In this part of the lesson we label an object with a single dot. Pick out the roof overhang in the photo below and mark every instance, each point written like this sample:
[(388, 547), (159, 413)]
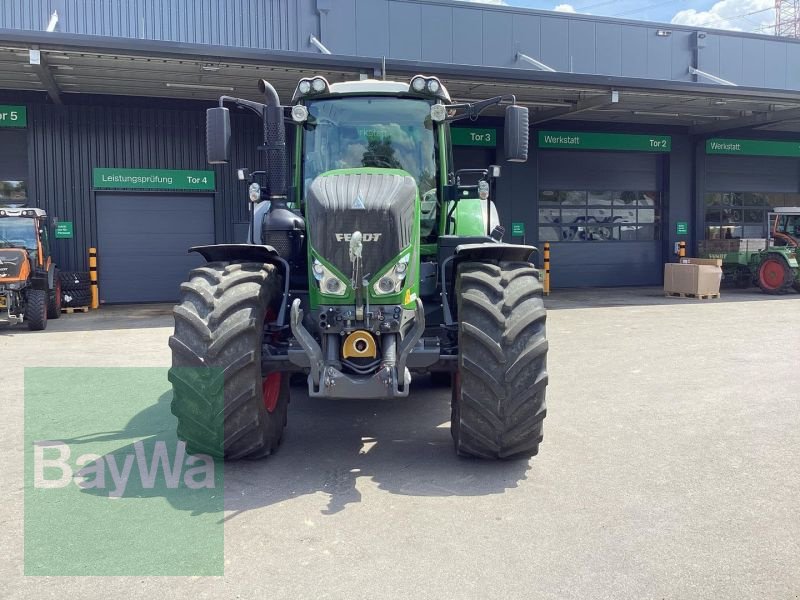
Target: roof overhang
[(79, 64)]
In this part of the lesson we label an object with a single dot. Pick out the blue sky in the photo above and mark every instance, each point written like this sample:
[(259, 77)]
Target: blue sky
[(742, 15)]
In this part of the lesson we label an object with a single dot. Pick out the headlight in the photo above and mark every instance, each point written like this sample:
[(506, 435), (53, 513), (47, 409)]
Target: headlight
[(318, 84), (319, 270), (386, 285), (311, 86), (430, 86), (333, 285), (392, 281), (438, 113), (328, 282), (255, 193), (299, 113)]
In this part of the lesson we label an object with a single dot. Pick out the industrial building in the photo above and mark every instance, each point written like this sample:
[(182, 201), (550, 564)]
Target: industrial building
[(642, 135)]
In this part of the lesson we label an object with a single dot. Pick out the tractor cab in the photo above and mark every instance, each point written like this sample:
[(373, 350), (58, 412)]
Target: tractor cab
[(785, 227)]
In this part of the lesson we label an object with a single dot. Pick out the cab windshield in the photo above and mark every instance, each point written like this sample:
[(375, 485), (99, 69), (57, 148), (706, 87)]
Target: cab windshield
[(357, 132), (19, 232)]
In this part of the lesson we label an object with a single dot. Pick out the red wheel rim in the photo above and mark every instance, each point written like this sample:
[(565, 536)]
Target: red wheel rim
[(772, 274), (271, 384), (271, 390)]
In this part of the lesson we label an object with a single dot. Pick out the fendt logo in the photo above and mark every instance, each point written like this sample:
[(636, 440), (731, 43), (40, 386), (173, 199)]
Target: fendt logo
[(365, 237)]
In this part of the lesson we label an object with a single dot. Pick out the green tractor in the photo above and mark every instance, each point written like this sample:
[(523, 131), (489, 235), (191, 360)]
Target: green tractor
[(776, 268), (379, 262)]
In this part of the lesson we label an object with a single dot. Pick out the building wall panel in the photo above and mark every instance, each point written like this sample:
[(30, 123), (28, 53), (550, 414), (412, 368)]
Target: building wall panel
[(582, 44), (555, 43), (66, 143), (609, 48), (437, 33), (634, 53), (432, 30), (371, 28), (730, 59), (659, 55), (467, 29)]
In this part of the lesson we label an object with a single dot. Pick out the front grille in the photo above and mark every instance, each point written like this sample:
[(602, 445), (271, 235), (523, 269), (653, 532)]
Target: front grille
[(380, 206)]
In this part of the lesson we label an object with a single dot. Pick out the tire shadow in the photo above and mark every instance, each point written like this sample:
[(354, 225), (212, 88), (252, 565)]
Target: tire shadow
[(402, 445)]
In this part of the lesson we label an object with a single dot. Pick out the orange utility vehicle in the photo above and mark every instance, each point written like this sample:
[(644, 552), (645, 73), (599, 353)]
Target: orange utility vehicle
[(30, 290)]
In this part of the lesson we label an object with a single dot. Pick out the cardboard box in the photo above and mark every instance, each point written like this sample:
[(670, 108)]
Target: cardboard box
[(697, 276)]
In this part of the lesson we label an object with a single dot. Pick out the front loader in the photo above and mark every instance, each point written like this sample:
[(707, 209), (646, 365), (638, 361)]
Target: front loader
[(377, 264)]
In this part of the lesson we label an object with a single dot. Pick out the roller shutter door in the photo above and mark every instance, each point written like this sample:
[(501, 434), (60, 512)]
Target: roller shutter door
[(742, 190), (143, 241), (602, 213)]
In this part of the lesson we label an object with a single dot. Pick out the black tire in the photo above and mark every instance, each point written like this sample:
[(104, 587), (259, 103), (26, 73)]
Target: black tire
[(74, 280), (774, 275), (36, 309), (499, 390), (220, 400), (54, 299), (796, 285), (75, 298)]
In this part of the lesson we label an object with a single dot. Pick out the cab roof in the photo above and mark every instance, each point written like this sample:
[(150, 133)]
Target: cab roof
[(16, 211), (378, 86)]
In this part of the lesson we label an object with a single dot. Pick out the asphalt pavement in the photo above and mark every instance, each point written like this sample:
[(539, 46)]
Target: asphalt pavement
[(670, 468)]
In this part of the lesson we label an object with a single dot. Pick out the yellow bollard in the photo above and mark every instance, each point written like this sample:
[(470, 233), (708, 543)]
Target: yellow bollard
[(681, 250), (93, 277), (547, 268)]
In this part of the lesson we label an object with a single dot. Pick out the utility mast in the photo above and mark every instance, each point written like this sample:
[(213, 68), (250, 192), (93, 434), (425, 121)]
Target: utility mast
[(787, 18)]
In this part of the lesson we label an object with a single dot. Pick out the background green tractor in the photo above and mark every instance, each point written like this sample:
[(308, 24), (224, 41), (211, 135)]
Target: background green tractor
[(378, 261), (771, 263), (776, 267)]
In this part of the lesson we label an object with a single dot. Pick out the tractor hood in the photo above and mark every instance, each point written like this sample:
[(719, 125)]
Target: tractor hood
[(14, 265), (378, 203)]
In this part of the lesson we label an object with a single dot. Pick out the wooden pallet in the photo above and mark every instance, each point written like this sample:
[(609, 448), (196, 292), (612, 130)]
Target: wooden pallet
[(692, 296), (73, 309)]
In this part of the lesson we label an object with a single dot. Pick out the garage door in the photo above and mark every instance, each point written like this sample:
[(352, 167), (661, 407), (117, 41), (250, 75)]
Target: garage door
[(742, 190), (143, 241), (601, 211)]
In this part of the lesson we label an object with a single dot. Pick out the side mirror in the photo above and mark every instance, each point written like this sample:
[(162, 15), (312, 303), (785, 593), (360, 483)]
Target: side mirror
[(218, 135), (516, 133)]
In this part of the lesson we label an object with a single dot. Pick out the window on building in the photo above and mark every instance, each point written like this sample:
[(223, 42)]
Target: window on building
[(13, 191), (13, 165), (742, 215), (597, 216)]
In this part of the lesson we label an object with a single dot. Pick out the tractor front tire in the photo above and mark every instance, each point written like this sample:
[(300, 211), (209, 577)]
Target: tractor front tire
[(225, 407), (774, 275), (36, 309), (498, 400)]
